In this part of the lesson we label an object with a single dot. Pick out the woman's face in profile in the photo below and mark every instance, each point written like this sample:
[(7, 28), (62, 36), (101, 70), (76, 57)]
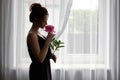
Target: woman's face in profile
[(44, 21)]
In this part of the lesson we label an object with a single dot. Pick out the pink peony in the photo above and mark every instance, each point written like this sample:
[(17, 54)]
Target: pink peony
[(49, 28)]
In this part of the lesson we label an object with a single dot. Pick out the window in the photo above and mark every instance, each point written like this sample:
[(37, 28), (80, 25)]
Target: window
[(82, 27), (87, 34)]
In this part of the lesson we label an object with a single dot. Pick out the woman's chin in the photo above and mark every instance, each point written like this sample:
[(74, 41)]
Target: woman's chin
[(42, 27)]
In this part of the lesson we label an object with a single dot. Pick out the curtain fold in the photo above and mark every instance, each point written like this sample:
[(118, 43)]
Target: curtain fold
[(115, 39), (65, 8), (7, 39)]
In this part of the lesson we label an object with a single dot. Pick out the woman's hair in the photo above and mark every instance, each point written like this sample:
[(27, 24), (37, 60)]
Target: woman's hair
[(37, 12)]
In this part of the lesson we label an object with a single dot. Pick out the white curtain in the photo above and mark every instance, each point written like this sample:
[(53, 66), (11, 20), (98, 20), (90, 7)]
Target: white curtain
[(91, 42), (115, 39), (12, 39), (91, 50), (7, 39)]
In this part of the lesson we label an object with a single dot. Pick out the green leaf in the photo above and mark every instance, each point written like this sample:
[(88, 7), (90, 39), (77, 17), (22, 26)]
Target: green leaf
[(61, 46), (56, 44), (52, 47)]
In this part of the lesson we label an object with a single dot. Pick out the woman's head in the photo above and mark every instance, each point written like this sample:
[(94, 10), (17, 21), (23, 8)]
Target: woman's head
[(37, 12)]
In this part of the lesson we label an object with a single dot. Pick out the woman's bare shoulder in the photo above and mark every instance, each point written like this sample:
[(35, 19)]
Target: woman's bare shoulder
[(31, 35)]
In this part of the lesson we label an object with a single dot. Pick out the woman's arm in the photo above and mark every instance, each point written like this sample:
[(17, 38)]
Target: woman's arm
[(40, 54)]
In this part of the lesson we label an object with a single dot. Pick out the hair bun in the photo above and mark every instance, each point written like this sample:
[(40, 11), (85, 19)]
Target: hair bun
[(37, 12), (35, 7)]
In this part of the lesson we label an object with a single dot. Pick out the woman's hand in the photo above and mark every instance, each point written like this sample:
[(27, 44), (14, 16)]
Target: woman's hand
[(54, 58), (49, 37)]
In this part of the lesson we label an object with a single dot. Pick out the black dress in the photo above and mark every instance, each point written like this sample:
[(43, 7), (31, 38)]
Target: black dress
[(37, 70)]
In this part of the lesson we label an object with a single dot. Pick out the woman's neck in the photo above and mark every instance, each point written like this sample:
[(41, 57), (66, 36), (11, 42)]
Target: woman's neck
[(34, 28)]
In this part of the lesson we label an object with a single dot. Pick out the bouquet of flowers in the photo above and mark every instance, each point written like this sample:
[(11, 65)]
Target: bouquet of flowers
[(55, 44)]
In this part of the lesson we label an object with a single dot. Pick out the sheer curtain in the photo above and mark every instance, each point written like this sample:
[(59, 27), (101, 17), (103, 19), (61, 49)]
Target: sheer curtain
[(115, 39), (91, 36), (92, 42), (11, 39)]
